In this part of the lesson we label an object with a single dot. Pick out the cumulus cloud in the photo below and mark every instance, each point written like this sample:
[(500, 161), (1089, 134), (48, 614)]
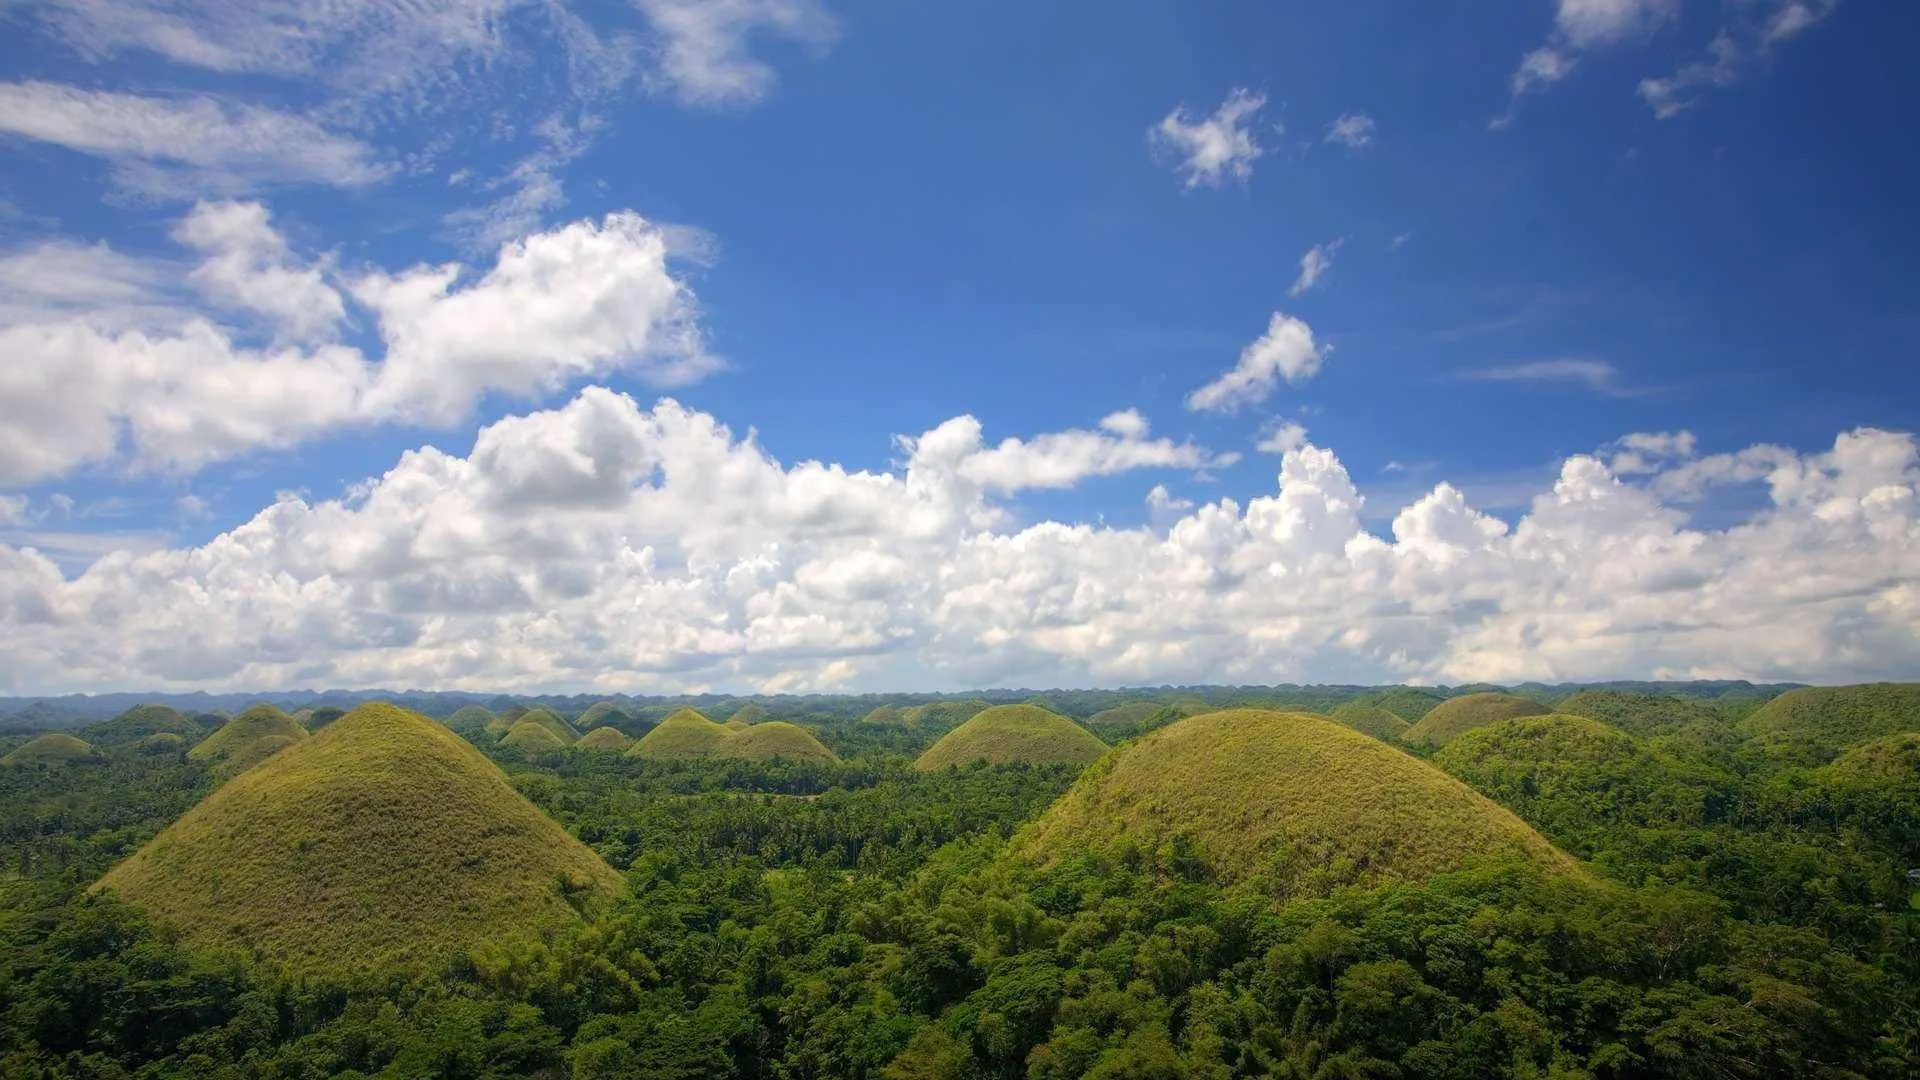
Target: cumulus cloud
[(165, 146), (114, 368), (1211, 150), (605, 545), (1286, 351), (1282, 438), (1352, 130), (702, 47), (1315, 263)]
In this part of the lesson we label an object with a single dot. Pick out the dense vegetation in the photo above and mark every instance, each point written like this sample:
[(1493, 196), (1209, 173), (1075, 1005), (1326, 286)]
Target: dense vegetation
[(1237, 895)]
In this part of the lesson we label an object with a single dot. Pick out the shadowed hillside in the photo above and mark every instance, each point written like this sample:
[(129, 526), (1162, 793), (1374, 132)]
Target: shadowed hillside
[(141, 721), (383, 843)]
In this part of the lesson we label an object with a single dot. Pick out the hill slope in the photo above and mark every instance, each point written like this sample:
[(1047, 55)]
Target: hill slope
[(469, 719), (1006, 734), (1382, 724), (773, 739), (684, 733), (56, 748), (533, 739), (1294, 802), (550, 720), (1891, 761), (1647, 715), (233, 748), (1820, 721), (141, 721), (599, 714), (604, 738), (1455, 715), (382, 844)]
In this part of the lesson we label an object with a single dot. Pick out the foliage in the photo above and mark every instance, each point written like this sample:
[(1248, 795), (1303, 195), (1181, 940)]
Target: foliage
[(1006, 734), (1815, 723), (382, 843), (139, 722), (1455, 715)]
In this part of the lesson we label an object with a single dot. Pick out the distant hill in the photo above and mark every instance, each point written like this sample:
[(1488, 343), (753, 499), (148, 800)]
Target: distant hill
[(1648, 715), (752, 713), (1006, 734), (53, 748), (533, 740), (550, 720), (469, 719), (604, 738), (684, 733), (1133, 718), (1456, 715), (1818, 722), (1889, 761), (931, 716), (1381, 723), (773, 739), (382, 844), (598, 714), (1293, 803), (141, 721), (247, 739)]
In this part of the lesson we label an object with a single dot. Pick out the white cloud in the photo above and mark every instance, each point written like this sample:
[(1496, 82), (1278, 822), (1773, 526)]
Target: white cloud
[(1650, 451), (602, 545), (533, 188), (1061, 459), (1219, 147), (1595, 375), (169, 145), (1585, 24), (112, 370), (1748, 37), (1283, 438), (1353, 130), (1286, 351), (1317, 261), (702, 44)]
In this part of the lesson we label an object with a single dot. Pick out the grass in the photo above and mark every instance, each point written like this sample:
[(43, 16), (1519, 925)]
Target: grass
[(684, 733), (533, 739), (1288, 802), (1006, 734), (604, 738), (141, 721), (600, 714), (250, 753), (773, 739), (469, 719), (550, 720), (56, 748), (1818, 722), (383, 844), (233, 742), (1383, 724), (1456, 715), (1891, 761)]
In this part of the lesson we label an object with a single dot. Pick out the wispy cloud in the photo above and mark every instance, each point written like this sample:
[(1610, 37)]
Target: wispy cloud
[(1752, 33), (1352, 130), (1314, 264), (1217, 148), (701, 47), (1595, 375), (1580, 26)]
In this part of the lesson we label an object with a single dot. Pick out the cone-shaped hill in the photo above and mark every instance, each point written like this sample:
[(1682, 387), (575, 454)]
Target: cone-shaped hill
[(550, 720), (54, 748), (1893, 761), (1133, 717), (604, 738), (248, 739), (750, 713), (1373, 720), (1455, 715), (533, 740), (932, 715), (684, 733), (141, 721), (382, 844), (1298, 801), (1820, 721), (1009, 734), (774, 739), (600, 714), (469, 719)]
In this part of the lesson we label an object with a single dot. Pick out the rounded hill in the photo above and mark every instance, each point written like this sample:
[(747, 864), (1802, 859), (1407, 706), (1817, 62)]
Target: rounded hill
[(604, 738), (1821, 721), (774, 739), (383, 844), (750, 713), (1132, 718), (1891, 761), (1010, 734), (1645, 715), (470, 718), (684, 733), (533, 739), (54, 748), (600, 714), (1382, 724), (550, 720), (232, 748), (141, 721), (1455, 715), (1292, 802)]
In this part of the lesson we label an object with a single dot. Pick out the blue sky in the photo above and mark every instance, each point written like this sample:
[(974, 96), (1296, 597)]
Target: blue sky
[(1671, 239)]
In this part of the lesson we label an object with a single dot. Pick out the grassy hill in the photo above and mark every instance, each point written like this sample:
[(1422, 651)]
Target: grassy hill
[(1889, 761), (141, 721), (684, 733), (1294, 802), (1382, 724), (470, 719), (604, 738), (55, 748), (1006, 734), (600, 714), (161, 742), (322, 716), (1131, 718), (773, 739), (1455, 715), (232, 749), (750, 714), (1647, 715), (550, 720), (1405, 702), (1817, 722), (931, 716), (533, 740), (382, 844)]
